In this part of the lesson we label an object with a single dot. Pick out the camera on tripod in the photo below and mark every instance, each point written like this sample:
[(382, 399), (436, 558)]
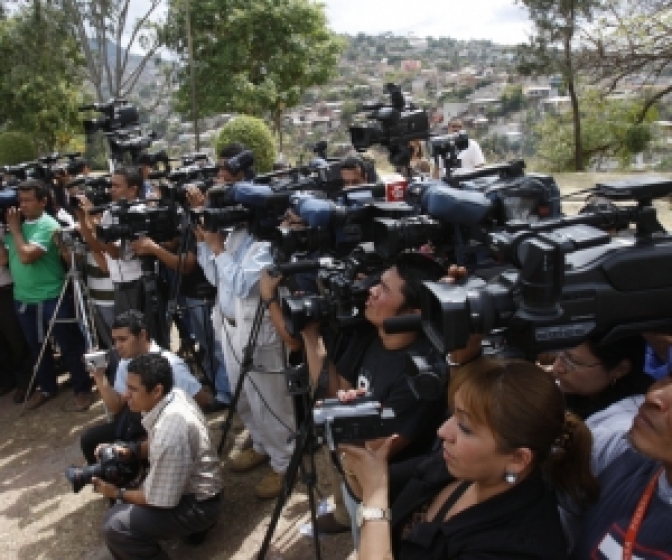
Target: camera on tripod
[(391, 125), (116, 115), (132, 220), (112, 467), (344, 289)]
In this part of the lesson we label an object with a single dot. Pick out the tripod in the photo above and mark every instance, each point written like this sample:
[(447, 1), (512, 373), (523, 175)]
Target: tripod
[(298, 385), (85, 313)]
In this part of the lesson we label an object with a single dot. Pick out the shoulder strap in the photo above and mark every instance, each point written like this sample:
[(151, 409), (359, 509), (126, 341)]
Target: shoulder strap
[(452, 499)]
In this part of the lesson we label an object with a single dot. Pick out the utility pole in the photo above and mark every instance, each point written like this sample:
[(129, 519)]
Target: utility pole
[(192, 72)]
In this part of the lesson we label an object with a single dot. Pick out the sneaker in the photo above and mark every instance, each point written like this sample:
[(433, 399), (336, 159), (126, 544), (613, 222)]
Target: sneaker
[(246, 460), (270, 486), (328, 525), (38, 399), (83, 402)]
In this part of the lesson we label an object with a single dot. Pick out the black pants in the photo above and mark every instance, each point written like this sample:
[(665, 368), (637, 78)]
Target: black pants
[(15, 363), (134, 295), (133, 532), (125, 427)]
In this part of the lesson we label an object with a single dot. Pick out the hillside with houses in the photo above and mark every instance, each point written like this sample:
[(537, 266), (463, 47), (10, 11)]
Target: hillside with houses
[(475, 80)]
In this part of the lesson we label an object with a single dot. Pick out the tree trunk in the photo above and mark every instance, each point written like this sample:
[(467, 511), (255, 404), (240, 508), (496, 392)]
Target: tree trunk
[(576, 117)]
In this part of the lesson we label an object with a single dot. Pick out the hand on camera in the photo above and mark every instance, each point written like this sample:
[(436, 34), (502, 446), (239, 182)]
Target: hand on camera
[(195, 197), (350, 395), (13, 218), (368, 465), (104, 488), (268, 285), (455, 274), (144, 246), (214, 240)]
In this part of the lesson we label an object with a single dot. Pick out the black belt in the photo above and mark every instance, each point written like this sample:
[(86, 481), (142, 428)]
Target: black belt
[(126, 285)]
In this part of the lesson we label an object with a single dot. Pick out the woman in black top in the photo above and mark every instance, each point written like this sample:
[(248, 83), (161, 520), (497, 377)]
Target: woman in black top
[(509, 444)]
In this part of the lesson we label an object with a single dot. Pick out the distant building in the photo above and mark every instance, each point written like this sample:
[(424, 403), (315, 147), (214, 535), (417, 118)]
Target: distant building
[(411, 65)]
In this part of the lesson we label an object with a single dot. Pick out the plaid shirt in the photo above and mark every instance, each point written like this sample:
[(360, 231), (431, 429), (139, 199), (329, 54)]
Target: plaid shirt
[(182, 459)]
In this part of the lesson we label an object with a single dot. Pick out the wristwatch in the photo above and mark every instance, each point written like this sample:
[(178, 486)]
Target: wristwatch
[(120, 495), (372, 514)]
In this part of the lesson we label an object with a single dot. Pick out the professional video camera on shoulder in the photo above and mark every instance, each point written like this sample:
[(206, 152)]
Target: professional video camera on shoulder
[(132, 220), (569, 280), (446, 148), (391, 125), (334, 228), (257, 207)]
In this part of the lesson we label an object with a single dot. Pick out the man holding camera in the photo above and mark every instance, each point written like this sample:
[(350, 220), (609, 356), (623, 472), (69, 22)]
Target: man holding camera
[(376, 363), (35, 264), (131, 340), (123, 264), (235, 267), (181, 494)]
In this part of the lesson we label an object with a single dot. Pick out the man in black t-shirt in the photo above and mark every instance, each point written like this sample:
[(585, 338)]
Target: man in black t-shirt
[(376, 362)]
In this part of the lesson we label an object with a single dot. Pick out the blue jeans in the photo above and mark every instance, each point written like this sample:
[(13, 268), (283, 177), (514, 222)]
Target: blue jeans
[(201, 326), (34, 319)]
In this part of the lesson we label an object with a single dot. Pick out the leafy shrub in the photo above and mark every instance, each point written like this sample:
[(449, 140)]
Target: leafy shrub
[(254, 134), (16, 147)]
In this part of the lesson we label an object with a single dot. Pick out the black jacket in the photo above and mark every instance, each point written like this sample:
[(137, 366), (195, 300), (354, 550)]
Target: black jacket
[(521, 523)]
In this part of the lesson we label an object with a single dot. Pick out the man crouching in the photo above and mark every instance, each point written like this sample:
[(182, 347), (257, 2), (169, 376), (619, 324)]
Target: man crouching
[(180, 496)]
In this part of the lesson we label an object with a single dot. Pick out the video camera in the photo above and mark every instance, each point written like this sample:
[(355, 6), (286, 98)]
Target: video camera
[(117, 114), (332, 227), (96, 189), (258, 207), (569, 281), (111, 467), (356, 422), (391, 125), (131, 220), (201, 176)]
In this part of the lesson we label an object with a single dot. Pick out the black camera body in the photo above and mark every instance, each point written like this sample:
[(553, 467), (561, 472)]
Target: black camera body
[(133, 220), (566, 283), (111, 467), (116, 115), (392, 126), (96, 189), (362, 420)]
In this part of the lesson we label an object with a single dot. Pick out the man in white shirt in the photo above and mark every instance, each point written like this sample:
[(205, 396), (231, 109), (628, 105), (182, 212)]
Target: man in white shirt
[(130, 338)]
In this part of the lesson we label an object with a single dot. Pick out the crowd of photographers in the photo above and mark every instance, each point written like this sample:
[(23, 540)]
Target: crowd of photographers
[(493, 454)]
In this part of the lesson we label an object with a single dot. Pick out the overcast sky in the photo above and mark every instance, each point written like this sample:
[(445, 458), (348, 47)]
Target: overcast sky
[(501, 21)]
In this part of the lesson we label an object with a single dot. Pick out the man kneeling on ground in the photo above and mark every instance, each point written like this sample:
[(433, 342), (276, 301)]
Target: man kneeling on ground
[(180, 496)]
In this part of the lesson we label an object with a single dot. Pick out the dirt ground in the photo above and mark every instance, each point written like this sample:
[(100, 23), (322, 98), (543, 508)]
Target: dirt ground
[(40, 517)]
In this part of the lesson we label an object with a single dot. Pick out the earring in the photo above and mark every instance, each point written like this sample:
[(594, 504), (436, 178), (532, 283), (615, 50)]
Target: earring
[(510, 478)]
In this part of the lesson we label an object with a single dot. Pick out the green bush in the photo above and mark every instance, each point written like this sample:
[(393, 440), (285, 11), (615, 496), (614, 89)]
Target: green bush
[(254, 135), (16, 147)]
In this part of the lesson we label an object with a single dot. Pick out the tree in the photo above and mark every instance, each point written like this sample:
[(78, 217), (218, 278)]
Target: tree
[(107, 37), (554, 48), (41, 87), (610, 130), (632, 40), (255, 57), (252, 133)]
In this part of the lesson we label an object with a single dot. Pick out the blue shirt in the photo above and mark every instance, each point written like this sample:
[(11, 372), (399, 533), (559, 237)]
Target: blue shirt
[(237, 270)]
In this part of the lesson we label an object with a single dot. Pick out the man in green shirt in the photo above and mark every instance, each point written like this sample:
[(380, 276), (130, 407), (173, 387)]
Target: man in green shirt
[(34, 262)]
